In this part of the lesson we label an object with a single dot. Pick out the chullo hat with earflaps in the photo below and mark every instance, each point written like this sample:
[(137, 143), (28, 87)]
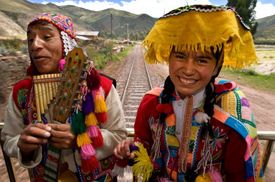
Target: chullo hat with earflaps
[(199, 27)]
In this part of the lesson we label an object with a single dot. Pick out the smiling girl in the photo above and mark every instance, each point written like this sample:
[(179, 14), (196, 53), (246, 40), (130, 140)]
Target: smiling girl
[(196, 128)]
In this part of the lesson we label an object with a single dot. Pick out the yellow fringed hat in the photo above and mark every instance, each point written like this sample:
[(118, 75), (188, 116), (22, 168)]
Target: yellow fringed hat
[(199, 27)]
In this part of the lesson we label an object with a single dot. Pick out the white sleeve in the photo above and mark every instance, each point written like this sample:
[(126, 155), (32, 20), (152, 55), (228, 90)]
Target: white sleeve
[(114, 130), (13, 126)]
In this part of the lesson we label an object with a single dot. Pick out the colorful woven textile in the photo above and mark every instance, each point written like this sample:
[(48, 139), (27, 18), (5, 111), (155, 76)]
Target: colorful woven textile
[(62, 22)]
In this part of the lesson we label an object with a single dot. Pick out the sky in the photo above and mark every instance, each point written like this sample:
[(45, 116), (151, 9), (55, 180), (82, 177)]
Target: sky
[(154, 8)]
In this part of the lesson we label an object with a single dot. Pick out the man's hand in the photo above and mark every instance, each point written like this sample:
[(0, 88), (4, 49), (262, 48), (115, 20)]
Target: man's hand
[(62, 136), (33, 136)]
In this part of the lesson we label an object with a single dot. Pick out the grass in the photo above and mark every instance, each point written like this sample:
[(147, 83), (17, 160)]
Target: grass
[(265, 53), (101, 52), (11, 46), (251, 78)]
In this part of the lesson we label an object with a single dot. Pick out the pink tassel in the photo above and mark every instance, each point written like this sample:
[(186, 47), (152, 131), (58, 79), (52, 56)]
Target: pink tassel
[(87, 151), (61, 65), (92, 131), (215, 176)]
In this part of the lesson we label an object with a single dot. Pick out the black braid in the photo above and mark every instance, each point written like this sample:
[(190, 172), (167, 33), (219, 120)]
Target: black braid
[(210, 90), (166, 95), (210, 98)]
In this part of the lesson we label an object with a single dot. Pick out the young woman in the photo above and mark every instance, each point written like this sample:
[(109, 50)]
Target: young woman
[(196, 128), (80, 149)]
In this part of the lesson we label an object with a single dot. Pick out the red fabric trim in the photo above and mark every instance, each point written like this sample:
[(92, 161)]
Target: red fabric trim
[(22, 84), (225, 87)]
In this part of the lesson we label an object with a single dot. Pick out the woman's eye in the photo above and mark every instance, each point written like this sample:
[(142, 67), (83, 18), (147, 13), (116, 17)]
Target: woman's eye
[(180, 55), (203, 60)]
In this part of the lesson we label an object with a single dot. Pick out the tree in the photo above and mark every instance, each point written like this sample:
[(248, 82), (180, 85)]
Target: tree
[(245, 9)]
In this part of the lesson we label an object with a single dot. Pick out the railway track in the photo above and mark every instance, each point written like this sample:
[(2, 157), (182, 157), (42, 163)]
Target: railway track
[(138, 82)]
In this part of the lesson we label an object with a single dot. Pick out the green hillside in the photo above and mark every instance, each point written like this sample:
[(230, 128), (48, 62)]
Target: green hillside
[(266, 30)]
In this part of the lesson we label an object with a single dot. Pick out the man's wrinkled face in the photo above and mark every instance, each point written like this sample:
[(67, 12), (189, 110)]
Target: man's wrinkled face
[(44, 46)]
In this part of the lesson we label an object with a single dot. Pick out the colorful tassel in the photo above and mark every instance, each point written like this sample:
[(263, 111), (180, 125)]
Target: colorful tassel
[(203, 178), (88, 165), (100, 105), (98, 141), (215, 176), (102, 117), (93, 79), (88, 104), (91, 120), (78, 125), (92, 131), (83, 139), (61, 64), (87, 151), (143, 166)]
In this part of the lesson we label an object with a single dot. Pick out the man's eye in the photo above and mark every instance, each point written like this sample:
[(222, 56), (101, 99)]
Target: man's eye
[(30, 40), (47, 37)]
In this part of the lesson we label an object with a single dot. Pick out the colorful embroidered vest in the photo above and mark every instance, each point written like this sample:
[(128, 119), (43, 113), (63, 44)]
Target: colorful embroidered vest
[(239, 125)]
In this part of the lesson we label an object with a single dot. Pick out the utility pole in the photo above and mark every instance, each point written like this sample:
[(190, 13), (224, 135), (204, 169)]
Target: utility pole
[(127, 31), (111, 26)]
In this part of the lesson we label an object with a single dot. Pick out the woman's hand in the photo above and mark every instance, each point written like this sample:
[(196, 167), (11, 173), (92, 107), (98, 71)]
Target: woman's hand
[(62, 136), (33, 136), (122, 150)]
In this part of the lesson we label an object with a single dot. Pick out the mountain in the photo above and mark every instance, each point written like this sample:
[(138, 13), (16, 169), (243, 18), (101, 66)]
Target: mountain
[(266, 30), (16, 14)]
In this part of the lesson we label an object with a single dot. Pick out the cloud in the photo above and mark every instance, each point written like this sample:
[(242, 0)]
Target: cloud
[(263, 10), (154, 8)]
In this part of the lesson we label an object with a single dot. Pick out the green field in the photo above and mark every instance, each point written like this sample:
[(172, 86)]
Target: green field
[(250, 77)]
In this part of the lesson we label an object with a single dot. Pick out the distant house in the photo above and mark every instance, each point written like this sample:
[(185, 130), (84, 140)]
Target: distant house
[(87, 35)]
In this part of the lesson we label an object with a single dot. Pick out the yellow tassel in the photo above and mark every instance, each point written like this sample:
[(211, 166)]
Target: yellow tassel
[(91, 120), (143, 166), (100, 105), (83, 139), (203, 178)]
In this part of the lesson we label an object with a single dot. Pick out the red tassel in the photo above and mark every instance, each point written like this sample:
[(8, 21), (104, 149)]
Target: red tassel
[(165, 108), (89, 165), (97, 141), (101, 117), (121, 162), (93, 79)]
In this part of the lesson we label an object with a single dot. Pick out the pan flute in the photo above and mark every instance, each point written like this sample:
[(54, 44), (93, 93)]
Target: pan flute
[(61, 90)]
